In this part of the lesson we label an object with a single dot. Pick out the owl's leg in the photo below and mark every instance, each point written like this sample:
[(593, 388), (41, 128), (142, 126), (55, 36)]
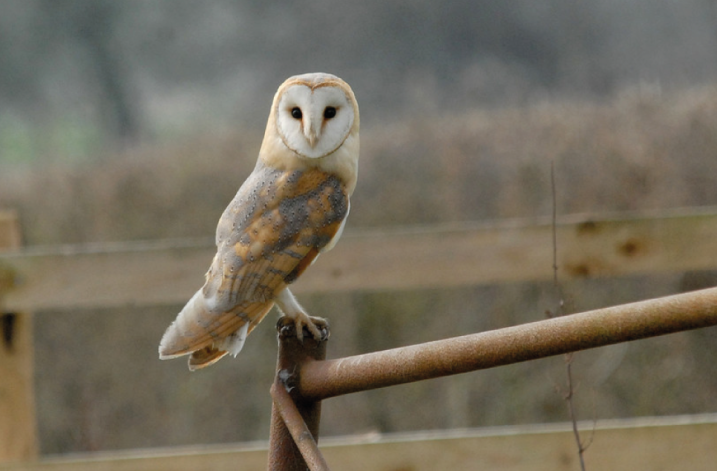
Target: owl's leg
[(289, 306)]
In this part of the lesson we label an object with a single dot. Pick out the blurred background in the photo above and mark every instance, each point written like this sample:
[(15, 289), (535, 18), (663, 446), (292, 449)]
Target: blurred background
[(140, 119)]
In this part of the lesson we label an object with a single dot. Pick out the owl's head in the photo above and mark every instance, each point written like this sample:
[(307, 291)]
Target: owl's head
[(314, 114)]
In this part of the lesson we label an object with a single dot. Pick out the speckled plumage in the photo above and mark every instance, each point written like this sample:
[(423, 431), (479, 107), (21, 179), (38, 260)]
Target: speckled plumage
[(289, 210)]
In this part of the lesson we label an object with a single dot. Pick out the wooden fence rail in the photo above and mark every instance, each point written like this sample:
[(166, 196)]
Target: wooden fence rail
[(169, 272), (662, 443)]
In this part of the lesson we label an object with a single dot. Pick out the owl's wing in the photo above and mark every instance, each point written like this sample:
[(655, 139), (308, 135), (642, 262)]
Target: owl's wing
[(271, 232)]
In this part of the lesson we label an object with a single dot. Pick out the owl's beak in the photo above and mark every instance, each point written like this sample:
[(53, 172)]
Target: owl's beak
[(311, 133), (312, 139)]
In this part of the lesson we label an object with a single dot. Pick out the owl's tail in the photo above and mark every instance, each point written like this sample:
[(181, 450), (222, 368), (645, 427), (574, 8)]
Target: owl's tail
[(181, 336), (208, 336), (205, 357)]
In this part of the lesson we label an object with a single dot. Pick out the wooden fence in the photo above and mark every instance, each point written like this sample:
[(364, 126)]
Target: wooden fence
[(164, 272), (671, 443), (17, 409), (145, 273)]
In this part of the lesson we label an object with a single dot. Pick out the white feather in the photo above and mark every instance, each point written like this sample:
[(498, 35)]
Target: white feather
[(235, 342)]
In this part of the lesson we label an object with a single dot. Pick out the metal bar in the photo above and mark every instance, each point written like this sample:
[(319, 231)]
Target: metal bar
[(303, 438), (284, 453), (323, 379)]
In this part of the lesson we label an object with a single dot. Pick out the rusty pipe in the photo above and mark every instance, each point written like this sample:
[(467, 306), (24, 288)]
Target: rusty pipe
[(284, 453), (298, 429), (323, 379)]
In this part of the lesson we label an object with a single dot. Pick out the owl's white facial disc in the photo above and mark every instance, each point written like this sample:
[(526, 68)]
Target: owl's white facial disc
[(314, 122)]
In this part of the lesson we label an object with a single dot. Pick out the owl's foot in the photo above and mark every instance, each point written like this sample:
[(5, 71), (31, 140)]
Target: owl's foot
[(318, 327)]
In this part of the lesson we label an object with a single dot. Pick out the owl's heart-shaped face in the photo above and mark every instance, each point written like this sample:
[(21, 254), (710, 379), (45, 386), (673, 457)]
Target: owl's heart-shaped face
[(314, 119)]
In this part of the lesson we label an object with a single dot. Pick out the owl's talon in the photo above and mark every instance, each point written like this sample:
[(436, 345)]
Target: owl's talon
[(294, 312), (317, 326), (289, 326)]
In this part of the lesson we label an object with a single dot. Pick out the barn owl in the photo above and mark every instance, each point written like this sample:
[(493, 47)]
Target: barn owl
[(290, 209)]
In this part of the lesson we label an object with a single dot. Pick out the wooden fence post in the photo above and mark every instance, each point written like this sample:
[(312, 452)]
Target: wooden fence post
[(18, 435)]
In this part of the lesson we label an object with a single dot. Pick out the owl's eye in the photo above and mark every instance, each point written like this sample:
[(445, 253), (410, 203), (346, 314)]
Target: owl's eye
[(296, 112), (329, 112)]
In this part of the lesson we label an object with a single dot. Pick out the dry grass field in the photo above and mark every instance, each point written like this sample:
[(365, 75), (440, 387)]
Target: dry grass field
[(100, 385)]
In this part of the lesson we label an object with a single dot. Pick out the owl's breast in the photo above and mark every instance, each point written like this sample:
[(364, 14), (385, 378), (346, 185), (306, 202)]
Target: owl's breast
[(276, 226)]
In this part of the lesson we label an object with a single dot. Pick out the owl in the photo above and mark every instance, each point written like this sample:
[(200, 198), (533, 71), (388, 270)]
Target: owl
[(290, 209)]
